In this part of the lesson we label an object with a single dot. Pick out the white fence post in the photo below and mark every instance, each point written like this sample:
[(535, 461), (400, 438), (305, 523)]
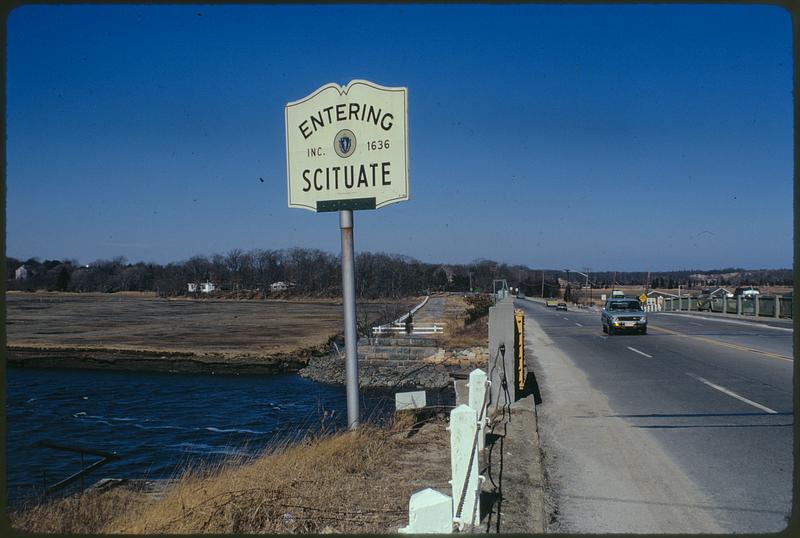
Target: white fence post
[(477, 401), (429, 511), (464, 466)]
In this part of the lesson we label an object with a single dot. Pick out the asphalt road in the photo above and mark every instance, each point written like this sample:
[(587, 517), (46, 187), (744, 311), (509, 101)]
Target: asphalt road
[(685, 429)]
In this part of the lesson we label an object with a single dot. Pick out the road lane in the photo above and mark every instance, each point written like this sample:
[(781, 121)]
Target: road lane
[(642, 353), (737, 455), (734, 395), (753, 335)]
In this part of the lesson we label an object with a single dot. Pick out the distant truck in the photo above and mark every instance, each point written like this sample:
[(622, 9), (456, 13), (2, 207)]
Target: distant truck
[(746, 291), (617, 294)]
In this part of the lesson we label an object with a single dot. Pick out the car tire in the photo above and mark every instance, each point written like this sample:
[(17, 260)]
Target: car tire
[(610, 330), (605, 329), (643, 331)]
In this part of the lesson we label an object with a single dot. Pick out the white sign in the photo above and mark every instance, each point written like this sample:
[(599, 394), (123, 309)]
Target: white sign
[(409, 400), (347, 147)]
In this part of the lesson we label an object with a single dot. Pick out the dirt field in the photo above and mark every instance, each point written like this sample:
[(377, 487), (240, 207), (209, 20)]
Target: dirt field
[(144, 324)]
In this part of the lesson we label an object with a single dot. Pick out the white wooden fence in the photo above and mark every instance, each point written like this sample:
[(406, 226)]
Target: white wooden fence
[(418, 329), (399, 325), (430, 511)]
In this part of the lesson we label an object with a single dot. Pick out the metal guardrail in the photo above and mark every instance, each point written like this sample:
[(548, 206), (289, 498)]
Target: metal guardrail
[(775, 307), (398, 325), (105, 458), (402, 318)]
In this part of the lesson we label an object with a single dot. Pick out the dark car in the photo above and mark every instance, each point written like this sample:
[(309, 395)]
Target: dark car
[(623, 315), (561, 306)]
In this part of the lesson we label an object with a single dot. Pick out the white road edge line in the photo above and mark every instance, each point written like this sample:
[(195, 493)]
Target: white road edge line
[(578, 324), (603, 337), (566, 319), (731, 393), (639, 352)]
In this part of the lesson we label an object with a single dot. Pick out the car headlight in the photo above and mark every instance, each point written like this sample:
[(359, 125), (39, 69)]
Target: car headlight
[(643, 319), (615, 321)]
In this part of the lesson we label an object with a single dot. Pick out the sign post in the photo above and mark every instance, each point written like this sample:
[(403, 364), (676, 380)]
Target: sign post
[(347, 149), (349, 296)]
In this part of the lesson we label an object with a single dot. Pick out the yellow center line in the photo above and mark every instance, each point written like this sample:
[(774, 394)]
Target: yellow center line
[(725, 344)]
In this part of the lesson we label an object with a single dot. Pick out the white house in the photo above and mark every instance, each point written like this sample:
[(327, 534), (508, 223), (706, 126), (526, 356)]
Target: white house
[(718, 292), (658, 293), (192, 287), (21, 273), (207, 287), (278, 286)]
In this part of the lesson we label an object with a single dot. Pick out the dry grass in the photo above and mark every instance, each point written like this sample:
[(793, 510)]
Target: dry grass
[(355, 482), (464, 329), (129, 322), (475, 334), (79, 514)]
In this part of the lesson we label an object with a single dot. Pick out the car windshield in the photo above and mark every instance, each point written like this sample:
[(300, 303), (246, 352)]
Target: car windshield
[(624, 305)]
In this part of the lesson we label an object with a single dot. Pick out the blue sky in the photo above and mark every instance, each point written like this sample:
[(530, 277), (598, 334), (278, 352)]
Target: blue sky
[(610, 137)]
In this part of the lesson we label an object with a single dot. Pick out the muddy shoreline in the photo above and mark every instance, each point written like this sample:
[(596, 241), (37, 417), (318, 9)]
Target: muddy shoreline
[(147, 361)]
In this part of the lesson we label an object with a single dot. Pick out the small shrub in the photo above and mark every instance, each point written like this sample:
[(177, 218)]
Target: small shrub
[(478, 307)]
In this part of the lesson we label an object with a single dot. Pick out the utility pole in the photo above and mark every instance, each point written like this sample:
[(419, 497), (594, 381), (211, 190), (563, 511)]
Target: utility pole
[(542, 283), (470, 281), (591, 300)]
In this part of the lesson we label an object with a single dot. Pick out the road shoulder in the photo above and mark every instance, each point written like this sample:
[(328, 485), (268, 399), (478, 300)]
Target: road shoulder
[(602, 475)]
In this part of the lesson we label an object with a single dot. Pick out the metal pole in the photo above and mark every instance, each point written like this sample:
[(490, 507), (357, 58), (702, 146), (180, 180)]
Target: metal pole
[(349, 296), (590, 290)]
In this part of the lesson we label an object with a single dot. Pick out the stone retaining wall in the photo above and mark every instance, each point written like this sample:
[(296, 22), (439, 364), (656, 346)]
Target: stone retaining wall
[(397, 362)]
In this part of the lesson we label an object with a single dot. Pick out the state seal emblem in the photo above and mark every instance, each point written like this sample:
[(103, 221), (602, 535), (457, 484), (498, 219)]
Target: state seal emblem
[(344, 143)]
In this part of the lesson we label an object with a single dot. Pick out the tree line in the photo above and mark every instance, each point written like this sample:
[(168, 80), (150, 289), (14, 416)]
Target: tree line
[(312, 272)]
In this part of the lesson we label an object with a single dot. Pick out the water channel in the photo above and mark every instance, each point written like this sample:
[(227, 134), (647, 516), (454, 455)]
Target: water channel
[(157, 423)]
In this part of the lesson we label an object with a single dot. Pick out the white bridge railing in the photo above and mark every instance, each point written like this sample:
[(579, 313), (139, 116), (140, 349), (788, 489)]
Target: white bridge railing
[(431, 511)]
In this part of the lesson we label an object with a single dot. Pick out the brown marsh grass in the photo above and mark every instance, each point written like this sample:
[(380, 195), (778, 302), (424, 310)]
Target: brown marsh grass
[(351, 482)]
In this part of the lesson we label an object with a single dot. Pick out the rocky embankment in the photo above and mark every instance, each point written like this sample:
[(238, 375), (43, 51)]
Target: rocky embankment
[(398, 363)]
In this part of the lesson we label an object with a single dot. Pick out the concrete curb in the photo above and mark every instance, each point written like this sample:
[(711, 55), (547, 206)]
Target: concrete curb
[(523, 509)]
